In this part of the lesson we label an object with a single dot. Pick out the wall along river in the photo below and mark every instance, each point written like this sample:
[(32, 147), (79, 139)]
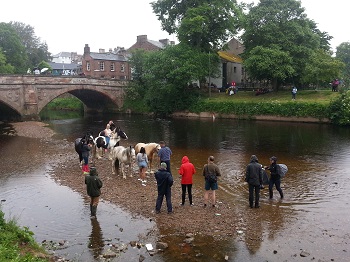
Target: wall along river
[(313, 217)]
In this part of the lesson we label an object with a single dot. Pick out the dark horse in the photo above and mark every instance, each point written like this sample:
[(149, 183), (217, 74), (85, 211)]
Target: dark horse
[(78, 143)]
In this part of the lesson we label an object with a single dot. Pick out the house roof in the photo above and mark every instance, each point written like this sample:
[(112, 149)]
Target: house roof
[(62, 66), (156, 43), (230, 57), (107, 56), (63, 54)]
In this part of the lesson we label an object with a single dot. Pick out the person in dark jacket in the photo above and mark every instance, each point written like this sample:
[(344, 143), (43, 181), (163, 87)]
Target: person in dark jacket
[(275, 178), (164, 183), (85, 152), (93, 188), (253, 177)]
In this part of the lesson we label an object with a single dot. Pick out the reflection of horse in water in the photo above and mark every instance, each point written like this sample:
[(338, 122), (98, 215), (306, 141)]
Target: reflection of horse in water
[(122, 157), (100, 142), (78, 144), (151, 152)]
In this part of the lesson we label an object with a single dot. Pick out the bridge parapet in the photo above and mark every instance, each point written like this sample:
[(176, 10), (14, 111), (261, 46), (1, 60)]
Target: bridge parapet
[(29, 94)]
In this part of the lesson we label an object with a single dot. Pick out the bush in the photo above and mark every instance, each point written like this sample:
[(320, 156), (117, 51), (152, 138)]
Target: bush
[(340, 109)]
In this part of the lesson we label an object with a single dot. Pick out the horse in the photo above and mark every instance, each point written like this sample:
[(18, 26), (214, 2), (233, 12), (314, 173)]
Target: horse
[(121, 157), (79, 142), (151, 151), (100, 142)]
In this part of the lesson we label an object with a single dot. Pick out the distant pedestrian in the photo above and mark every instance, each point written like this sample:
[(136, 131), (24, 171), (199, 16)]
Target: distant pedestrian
[(164, 183), (294, 92), (93, 188), (275, 178), (253, 177), (210, 172), (187, 170), (164, 155), (335, 84)]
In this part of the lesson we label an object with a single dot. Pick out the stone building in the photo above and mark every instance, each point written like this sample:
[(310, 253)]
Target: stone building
[(112, 64)]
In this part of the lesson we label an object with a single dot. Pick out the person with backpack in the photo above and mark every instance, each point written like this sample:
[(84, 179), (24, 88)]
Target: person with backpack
[(210, 172), (275, 177), (254, 179)]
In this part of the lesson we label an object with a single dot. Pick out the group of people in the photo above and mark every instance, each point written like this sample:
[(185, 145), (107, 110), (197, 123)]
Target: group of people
[(254, 178), (164, 179)]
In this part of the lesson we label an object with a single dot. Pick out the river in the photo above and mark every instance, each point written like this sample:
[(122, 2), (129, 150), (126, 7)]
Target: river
[(313, 217)]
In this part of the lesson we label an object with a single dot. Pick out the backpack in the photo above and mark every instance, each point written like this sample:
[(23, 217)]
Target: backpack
[(282, 170), (210, 177)]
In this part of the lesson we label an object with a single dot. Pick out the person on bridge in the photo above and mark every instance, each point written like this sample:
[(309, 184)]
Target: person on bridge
[(93, 188)]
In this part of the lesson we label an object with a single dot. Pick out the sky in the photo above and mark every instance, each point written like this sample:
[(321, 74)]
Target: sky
[(67, 25)]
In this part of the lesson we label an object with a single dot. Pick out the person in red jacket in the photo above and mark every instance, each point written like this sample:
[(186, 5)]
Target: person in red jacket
[(187, 170)]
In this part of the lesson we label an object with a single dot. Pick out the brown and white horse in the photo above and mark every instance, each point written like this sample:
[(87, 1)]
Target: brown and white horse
[(151, 152), (122, 157)]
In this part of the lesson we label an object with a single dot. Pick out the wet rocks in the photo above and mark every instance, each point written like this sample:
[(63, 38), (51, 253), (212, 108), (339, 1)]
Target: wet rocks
[(161, 245)]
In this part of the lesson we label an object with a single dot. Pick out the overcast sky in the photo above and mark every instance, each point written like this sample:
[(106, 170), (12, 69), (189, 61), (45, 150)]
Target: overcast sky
[(67, 25)]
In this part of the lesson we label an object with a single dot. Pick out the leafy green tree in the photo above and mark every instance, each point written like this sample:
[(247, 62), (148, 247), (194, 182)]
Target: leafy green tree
[(13, 49), (4, 67), (322, 68), (163, 78), (36, 50), (284, 27), (343, 54), (204, 24)]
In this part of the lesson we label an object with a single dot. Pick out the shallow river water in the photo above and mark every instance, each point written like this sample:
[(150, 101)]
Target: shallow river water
[(313, 217)]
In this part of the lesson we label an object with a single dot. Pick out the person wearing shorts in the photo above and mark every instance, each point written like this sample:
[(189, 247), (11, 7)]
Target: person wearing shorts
[(210, 187)]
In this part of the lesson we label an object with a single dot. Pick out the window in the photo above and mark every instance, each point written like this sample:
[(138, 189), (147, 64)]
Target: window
[(122, 77), (234, 69), (112, 67), (88, 66), (122, 68), (102, 66)]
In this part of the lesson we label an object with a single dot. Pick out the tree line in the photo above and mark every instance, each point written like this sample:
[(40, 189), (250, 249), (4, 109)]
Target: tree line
[(20, 48), (282, 47)]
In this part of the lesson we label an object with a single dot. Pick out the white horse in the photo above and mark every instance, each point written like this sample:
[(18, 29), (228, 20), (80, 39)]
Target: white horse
[(122, 157), (100, 142), (151, 152)]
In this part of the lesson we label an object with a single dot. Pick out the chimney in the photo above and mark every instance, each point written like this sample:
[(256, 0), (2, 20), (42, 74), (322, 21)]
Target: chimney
[(141, 39), (101, 50), (110, 50), (164, 41), (86, 49)]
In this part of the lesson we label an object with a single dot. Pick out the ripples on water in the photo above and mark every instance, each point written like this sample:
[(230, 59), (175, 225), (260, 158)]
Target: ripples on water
[(314, 214)]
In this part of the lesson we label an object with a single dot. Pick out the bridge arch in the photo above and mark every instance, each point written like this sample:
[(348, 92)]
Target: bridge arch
[(29, 94)]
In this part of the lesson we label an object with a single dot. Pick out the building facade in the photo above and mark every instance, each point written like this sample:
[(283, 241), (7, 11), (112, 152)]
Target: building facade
[(112, 64)]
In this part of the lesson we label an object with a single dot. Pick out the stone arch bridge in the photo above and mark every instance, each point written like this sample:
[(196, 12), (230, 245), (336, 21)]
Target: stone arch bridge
[(27, 95)]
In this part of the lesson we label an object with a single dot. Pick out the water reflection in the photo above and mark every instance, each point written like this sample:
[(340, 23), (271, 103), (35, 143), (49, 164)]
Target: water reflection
[(96, 243), (314, 214)]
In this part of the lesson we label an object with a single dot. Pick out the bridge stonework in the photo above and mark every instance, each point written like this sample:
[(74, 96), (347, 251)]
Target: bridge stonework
[(29, 94)]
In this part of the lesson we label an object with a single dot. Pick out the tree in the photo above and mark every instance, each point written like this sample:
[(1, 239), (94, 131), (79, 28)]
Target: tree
[(13, 49), (282, 26), (204, 24), (343, 54), (322, 68), (4, 67), (35, 49), (165, 77)]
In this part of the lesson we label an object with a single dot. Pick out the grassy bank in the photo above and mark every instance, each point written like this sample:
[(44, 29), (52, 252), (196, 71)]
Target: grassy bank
[(309, 103), (66, 103), (18, 244)]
